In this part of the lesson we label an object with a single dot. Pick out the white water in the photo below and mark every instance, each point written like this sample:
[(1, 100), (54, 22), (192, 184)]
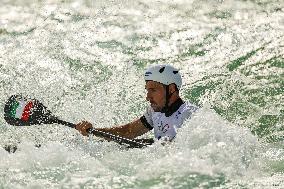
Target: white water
[(85, 60), (208, 150)]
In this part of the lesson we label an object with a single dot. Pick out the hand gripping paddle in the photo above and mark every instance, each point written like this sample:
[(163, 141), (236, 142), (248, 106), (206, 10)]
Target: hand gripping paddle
[(23, 111)]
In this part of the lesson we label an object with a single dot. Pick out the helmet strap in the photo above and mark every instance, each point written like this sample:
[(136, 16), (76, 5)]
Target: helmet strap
[(168, 96)]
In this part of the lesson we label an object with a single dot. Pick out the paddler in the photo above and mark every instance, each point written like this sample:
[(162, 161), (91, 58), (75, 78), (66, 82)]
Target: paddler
[(166, 113)]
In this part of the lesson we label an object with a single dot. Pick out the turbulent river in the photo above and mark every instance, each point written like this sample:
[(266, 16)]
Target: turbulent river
[(85, 60)]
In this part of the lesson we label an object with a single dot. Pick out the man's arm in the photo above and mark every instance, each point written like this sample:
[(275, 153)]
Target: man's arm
[(130, 130)]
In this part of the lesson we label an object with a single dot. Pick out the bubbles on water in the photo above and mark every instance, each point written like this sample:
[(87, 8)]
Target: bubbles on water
[(85, 60)]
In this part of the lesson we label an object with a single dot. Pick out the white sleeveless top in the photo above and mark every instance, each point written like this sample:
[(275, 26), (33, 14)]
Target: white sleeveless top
[(166, 124)]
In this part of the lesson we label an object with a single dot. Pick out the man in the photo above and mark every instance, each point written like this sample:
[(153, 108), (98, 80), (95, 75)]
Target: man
[(166, 113)]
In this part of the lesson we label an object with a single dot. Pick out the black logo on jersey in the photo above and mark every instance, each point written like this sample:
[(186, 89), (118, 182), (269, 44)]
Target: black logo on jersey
[(163, 128), (178, 114)]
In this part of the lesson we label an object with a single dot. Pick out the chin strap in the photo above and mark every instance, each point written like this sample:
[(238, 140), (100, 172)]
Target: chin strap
[(165, 109)]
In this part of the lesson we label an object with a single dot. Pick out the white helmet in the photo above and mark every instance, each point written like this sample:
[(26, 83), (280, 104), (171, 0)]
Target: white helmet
[(165, 74)]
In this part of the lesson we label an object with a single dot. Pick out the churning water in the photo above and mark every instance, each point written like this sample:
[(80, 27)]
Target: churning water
[(85, 59)]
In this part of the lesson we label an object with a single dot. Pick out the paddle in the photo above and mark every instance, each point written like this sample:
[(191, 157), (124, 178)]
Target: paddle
[(24, 111)]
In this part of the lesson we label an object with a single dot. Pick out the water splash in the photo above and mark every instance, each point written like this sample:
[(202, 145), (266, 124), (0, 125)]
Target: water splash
[(85, 60)]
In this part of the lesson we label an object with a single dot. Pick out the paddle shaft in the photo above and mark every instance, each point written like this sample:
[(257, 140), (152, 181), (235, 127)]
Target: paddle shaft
[(32, 112), (72, 125), (98, 133)]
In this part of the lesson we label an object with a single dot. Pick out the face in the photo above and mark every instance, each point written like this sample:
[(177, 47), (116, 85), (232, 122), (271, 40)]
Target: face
[(156, 95)]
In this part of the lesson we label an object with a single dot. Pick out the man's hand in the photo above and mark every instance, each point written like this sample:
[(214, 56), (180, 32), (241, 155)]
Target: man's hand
[(83, 126)]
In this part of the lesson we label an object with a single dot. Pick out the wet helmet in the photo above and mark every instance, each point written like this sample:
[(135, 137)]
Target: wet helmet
[(165, 74)]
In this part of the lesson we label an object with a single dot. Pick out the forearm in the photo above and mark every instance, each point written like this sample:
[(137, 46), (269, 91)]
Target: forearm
[(123, 131), (130, 130)]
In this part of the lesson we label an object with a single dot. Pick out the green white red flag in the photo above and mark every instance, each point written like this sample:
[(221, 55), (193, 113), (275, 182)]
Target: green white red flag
[(21, 109)]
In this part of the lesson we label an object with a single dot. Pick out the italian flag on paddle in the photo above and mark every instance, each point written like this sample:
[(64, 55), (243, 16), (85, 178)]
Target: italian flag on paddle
[(21, 109)]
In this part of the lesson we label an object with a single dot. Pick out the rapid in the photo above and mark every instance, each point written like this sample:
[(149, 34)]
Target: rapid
[(85, 60)]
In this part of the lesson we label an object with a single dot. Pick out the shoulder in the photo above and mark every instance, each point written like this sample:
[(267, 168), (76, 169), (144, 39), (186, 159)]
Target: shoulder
[(146, 119), (188, 107)]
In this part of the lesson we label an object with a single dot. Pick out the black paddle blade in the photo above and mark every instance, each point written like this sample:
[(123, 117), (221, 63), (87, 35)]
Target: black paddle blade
[(23, 111)]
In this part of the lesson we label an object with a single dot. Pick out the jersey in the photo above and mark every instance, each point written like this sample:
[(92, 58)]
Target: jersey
[(165, 124)]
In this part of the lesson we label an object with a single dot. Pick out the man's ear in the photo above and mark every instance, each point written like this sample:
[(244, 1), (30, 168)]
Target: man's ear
[(172, 88)]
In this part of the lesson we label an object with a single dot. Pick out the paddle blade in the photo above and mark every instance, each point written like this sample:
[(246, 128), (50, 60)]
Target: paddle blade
[(23, 111)]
